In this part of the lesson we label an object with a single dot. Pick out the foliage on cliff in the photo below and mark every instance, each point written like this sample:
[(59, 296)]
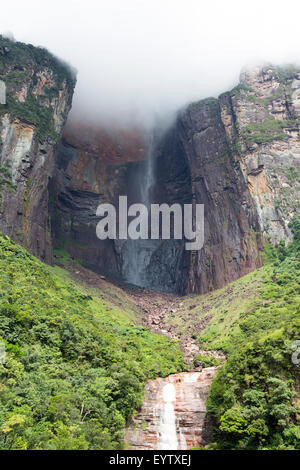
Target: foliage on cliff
[(5, 180), (17, 57), (255, 398), (75, 368), (20, 65)]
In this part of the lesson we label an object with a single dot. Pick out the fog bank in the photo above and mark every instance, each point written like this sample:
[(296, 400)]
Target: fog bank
[(137, 59)]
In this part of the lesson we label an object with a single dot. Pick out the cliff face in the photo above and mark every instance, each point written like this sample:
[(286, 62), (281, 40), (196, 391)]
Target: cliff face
[(232, 242), (243, 154), (36, 97), (261, 118), (238, 155), (173, 416), (93, 166)]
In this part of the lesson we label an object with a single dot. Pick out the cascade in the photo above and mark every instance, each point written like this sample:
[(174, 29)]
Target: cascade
[(136, 254), (173, 416)]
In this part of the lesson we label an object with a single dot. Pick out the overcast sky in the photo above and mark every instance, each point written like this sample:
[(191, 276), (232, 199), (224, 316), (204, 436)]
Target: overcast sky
[(138, 57)]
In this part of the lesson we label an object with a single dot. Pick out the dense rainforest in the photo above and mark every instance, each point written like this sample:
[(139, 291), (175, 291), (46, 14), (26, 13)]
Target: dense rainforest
[(76, 366), (253, 397)]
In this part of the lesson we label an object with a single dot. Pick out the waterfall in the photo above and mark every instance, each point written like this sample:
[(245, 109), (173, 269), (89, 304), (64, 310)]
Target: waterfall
[(167, 426), (173, 416), (148, 179), (136, 254), (169, 430)]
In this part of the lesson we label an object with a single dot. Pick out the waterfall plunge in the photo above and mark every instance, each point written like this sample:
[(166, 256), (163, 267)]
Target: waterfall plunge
[(167, 427), (170, 434), (137, 254), (148, 179)]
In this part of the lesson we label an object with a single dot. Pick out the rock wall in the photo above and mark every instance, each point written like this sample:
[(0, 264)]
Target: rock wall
[(232, 242), (238, 155), (39, 91), (93, 166), (242, 151), (261, 119)]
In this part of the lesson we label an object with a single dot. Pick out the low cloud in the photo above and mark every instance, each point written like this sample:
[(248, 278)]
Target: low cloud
[(139, 59)]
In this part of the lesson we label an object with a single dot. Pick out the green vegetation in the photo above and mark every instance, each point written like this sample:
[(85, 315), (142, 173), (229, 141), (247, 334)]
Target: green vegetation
[(22, 56), (206, 360), (255, 321), (76, 367), (253, 399), (265, 131), (33, 112), (287, 73), (5, 180), (20, 65), (292, 175)]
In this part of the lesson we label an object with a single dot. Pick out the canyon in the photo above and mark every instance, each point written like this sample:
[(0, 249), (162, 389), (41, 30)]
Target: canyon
[(238, 154)]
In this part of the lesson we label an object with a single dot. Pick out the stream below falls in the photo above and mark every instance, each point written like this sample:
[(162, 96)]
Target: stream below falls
[(173, 416)]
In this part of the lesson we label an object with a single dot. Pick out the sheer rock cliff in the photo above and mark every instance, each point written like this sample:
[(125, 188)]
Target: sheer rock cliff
[(237, 154), (37, 95)]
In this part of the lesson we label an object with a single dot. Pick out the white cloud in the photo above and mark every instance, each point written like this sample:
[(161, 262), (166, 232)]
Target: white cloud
[(138, 58)]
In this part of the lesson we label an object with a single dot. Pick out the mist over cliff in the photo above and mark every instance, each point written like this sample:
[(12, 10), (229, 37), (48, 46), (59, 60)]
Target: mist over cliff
[(137, 60)]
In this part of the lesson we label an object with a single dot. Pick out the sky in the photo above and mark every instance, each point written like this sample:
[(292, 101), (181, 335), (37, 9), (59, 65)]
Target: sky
[(139, 59)]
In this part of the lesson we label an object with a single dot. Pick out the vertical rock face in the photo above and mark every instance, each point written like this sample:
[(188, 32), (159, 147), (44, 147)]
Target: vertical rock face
[(242, 152), (238, 155), (39, 92), (232, 241), (261, 119), (93, 166)]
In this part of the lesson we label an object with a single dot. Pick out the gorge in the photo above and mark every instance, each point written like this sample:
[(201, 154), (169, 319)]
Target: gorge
[(236, 155), (125, 313)]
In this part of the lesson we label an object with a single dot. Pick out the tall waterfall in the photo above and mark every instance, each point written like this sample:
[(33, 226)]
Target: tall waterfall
[(148, 178), (136, 254)]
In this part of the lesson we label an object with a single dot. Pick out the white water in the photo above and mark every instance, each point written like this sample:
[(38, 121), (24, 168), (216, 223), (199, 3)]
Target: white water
[(167, 426), (170, 436), (137, 253), (148, 179), (136, 257), (191, 378)]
